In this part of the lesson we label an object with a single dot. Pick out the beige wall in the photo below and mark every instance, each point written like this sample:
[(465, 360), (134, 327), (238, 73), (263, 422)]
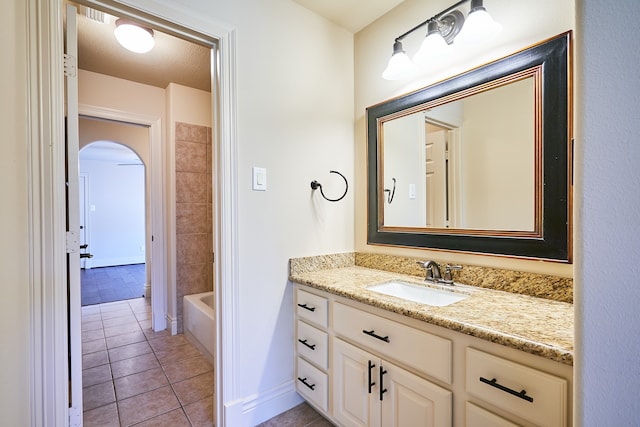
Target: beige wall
[(15, 298), (524, 24)]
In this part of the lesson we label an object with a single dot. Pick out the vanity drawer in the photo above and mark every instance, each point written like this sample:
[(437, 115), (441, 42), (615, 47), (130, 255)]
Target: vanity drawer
[(495, 380), (312, 308), (312, 383), (478, 417), (312, 344), (420, 350)]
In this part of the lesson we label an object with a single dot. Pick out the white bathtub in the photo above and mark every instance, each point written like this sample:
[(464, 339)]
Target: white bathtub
[(199, 322)]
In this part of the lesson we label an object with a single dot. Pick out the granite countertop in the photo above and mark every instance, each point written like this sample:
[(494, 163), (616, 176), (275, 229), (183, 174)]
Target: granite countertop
[(538, 326)]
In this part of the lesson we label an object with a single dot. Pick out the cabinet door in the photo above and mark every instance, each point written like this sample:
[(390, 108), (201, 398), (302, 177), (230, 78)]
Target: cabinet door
[(354, 374), (411, 401)]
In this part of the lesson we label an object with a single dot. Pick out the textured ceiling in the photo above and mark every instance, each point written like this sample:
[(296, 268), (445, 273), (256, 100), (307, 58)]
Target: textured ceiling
[(171, 60)]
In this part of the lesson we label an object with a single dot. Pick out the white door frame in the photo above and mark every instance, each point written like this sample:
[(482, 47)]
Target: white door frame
[(157, 202), (47, 258)]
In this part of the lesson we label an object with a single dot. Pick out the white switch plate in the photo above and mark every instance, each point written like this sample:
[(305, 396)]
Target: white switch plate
[(412, 191), (259, 179)]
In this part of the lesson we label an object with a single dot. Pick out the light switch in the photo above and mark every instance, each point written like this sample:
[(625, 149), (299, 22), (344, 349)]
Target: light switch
[(412, 191), (259, 179)]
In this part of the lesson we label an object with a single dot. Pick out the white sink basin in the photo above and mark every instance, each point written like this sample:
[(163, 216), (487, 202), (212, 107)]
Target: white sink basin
[(419, 294)]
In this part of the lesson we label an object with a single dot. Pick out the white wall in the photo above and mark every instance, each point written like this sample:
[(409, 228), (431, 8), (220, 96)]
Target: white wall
[(15, 298), (608, 242), (116, 225), (524, 24)]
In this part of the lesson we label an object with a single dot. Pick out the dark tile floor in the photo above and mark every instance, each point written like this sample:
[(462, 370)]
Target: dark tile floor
[(107, 284)]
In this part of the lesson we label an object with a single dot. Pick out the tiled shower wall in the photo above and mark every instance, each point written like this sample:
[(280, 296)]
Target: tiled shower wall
[(194, 208)]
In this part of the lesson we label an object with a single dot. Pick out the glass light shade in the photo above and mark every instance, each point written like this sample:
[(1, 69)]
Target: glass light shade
[(134, 38), (478, 28), (433, 45), (399, 66)]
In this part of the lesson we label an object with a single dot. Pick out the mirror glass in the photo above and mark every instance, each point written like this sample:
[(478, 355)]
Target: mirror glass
[(480, 162), (466, 164)]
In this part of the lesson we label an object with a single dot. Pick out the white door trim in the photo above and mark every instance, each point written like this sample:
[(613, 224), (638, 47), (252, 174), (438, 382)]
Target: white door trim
[(48, 305), (158, 202)]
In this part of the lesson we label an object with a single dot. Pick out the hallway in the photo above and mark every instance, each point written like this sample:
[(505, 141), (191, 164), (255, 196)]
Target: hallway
[(108, 284), (135, 376)]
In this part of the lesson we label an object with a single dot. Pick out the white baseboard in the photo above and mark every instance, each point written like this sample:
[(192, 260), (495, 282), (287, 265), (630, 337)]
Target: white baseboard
[(110, 262), (172, 322), (258, 408)]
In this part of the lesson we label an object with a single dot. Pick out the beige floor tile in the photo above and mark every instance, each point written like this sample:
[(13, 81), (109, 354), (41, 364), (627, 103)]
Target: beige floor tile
[(144, 324), (91, 317), (167, 342), (142, 315), (200, 413), (187, 368), (321, 422), (96, 375), (175, 418), (104, 416), (91, 326), (129, 350), (185, 351), (300, 416), (147, 405), (98, 395), (128, 328), (92, 360), (114, 306), (151, 334), (139, 383), (116, 321), (124, 339), (92, 335), (90, 309), (112, 314), (133, 365), (139, 303), (93, 346), (195, 388)]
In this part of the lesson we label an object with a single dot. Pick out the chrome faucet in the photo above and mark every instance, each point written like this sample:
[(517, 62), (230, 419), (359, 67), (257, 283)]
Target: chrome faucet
[(433, 270)]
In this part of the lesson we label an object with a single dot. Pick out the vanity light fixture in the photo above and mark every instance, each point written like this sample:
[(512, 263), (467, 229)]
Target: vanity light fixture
[(134, 37), (442, 29)]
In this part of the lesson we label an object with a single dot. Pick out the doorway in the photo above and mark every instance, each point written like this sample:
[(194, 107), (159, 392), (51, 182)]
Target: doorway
[(114, 220)]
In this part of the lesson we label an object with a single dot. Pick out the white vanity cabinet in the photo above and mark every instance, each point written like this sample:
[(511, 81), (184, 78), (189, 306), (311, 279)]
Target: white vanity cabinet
[(312, 348), (370, 391), (365, 366)]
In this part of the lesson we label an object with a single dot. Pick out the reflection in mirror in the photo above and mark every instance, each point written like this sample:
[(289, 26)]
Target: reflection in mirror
[(480, 162), (466, 164)]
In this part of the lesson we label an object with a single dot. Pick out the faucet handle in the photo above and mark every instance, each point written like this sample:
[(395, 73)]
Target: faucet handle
[(447, 272)]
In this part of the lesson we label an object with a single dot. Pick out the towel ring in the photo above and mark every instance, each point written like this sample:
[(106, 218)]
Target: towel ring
[(315, 185)]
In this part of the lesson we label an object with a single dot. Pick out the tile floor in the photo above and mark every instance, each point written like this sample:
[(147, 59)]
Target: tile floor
[(106, 284), (135, 376)]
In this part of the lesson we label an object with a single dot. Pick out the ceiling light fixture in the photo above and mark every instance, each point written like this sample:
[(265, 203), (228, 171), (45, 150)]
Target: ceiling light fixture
[(442, 29), (134, 37)]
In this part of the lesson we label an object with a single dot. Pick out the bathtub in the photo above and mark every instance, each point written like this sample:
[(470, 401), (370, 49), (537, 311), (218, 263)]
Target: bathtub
[(199, 322)]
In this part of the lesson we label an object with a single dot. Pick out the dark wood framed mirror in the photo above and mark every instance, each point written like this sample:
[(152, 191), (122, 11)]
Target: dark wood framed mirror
[(480, 162)]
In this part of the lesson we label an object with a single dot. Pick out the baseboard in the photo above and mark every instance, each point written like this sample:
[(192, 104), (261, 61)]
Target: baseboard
[(172, 323), (111, 262), (261, 407)]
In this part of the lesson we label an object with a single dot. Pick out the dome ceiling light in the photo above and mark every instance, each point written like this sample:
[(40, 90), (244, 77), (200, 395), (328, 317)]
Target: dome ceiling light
[(134, 37)]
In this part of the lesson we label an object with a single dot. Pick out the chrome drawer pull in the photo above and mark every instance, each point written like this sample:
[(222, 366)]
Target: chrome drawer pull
[(372, 333), (306, 307), (311, 346), (494, 383), (304, 381)]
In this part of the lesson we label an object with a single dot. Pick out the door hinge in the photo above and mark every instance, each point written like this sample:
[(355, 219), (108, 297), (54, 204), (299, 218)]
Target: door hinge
[(73, 243), (70, 66)]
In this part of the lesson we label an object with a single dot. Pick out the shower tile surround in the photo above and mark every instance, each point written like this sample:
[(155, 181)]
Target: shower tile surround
[(194, 207), (541, 326)]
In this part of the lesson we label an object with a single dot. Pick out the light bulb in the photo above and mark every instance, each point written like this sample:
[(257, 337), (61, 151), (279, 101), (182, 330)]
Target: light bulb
[(432, 46), (134, 38), (479, 27), (399, 66)]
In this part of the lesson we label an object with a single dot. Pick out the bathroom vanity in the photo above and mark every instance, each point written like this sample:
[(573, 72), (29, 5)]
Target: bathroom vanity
[(494, 358)]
